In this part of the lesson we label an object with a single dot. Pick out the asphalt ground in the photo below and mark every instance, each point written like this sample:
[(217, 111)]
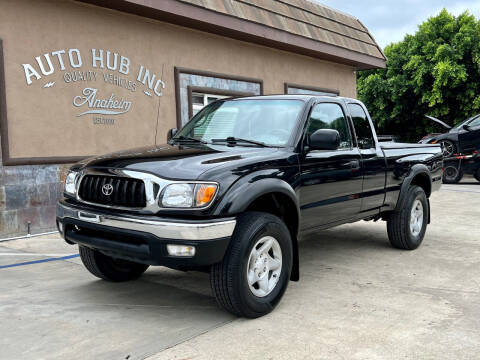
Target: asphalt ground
[(357, 298)]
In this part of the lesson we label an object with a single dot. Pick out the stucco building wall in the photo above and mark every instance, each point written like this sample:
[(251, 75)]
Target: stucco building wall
[(44, 124)]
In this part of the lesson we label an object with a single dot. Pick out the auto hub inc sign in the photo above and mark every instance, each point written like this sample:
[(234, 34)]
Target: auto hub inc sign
[(94, 70)]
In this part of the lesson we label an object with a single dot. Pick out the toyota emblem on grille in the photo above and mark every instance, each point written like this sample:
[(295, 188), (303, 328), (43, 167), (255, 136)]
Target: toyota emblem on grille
[(107, 189)]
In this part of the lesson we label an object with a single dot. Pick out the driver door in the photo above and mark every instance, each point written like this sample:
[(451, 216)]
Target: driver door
[(469, 140), (331, 181)]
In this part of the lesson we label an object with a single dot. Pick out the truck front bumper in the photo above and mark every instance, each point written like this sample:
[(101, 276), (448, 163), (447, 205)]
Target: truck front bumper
[(144, 239)]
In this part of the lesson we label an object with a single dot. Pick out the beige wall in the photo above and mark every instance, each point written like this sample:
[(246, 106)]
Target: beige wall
[(43, 122)]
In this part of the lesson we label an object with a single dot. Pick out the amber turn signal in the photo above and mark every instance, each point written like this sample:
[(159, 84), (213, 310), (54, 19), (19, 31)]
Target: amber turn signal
[(204, 194)]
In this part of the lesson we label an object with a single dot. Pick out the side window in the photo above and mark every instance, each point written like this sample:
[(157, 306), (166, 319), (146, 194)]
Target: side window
[(330, 116), (475, 122), (362, 127)]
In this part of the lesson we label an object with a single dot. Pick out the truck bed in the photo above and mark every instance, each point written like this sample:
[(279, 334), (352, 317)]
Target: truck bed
[(395, 145)]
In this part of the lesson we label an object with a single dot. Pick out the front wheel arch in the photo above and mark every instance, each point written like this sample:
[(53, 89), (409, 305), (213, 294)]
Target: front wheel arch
[(264, 195)]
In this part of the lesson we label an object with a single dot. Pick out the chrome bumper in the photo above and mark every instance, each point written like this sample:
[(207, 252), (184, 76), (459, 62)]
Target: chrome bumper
[(162, 228)]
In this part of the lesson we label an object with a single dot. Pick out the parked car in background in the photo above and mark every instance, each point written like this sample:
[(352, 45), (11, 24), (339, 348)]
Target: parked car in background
[(449, 140), (457, 166), (466, 162), (232, 191)]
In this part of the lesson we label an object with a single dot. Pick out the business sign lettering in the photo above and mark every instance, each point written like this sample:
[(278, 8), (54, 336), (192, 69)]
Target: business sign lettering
[(102, 66), (110, 106)]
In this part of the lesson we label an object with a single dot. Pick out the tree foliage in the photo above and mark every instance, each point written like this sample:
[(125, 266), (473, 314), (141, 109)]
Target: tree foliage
[(434, 72)]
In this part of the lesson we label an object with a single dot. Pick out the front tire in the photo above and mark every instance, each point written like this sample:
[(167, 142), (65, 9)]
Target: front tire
[(255, 271), (406, 226), (108, 268)]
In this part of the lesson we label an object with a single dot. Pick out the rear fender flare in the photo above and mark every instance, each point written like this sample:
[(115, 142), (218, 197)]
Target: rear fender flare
[(417, 169)]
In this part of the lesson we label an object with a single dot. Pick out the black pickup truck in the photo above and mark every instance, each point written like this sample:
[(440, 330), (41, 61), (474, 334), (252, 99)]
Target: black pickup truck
[(233, 191)]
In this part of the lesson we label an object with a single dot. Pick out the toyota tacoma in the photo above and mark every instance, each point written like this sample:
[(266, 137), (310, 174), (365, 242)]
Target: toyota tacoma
[(234, 190)]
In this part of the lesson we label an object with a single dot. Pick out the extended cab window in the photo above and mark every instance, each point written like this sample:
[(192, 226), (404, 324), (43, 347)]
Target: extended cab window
[(363, 130), (330, 116)]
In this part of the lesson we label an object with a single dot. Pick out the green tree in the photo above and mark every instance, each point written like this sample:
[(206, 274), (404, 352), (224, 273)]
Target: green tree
[(434, 72)]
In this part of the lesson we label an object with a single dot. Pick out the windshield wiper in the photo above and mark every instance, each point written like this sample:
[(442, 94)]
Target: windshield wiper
[(189, 139), (234, 140)]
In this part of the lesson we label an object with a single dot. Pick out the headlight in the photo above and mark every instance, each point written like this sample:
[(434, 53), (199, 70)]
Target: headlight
[(186, 195), (70, 183)]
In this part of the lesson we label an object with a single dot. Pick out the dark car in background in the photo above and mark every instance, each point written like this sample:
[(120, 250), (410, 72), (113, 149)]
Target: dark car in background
[(449, 140), (457, 166)]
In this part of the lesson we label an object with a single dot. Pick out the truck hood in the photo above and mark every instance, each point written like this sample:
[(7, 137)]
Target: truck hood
[(178, 162)]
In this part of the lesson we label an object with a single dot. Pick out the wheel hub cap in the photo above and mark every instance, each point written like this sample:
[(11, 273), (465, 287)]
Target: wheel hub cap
[(451, 172), (416, 218), (264, 266)]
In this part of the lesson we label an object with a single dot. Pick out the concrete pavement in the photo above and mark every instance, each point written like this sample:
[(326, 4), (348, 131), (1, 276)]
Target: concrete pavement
[(357, 299)]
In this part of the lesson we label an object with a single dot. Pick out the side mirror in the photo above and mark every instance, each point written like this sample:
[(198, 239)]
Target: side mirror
[(171, 133), (466, 127), (324, 139)]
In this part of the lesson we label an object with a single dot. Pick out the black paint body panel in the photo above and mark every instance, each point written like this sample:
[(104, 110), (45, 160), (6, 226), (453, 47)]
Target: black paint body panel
[(327, 187)]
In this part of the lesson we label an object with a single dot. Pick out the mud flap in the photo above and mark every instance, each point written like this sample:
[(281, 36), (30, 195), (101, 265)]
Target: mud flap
[(428, 202)]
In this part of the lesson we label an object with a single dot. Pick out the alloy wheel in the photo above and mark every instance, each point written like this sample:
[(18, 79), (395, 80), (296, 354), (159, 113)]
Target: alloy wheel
[(264, 266), (416, 218), (447, 148)]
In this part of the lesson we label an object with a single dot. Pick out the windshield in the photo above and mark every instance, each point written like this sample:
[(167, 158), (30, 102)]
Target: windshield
[(270, 122)]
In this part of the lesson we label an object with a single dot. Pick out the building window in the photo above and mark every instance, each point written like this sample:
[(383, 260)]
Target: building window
[(198, 97), (309, 90), (199, 100), (195, 89)]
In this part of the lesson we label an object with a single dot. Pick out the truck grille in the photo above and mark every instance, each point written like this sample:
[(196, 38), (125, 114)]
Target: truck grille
[(124, 192)]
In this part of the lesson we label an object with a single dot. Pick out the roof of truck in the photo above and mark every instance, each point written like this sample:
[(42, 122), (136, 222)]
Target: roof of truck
[(303, 97)]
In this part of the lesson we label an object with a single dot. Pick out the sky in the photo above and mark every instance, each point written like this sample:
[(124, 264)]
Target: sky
[(389, 21)]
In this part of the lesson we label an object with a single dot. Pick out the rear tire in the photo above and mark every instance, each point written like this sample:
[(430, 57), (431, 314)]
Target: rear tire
[(452, 174), (476, 175), (406, 226), (108, 268), (246, 283)]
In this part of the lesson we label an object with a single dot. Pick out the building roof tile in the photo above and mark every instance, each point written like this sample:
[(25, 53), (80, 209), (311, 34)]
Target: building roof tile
[(301, 26), (300, 17)]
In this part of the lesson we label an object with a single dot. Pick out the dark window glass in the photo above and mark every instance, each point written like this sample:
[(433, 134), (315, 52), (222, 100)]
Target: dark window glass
[(330, 116), (475, 122), (362, 127)]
